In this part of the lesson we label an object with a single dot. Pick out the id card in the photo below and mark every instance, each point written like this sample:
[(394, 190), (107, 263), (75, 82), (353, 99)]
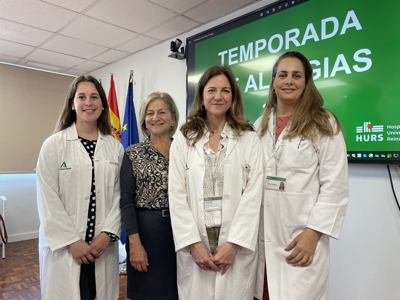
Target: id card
[(276, 183), (213, 204)]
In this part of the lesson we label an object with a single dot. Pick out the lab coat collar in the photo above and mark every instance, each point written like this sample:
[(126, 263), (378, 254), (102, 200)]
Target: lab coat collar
[(227, 131), (72, 133)]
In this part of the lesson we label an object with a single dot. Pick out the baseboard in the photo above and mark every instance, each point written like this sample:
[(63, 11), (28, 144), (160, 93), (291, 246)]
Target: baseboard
[(23, 236)]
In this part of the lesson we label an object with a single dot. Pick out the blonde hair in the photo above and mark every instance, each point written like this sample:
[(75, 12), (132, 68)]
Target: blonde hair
[(171, 107), (309, 117), (196, 123)]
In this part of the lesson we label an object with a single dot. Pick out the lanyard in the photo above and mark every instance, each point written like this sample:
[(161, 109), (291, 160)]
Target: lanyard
[(277, 152), (214, 161)]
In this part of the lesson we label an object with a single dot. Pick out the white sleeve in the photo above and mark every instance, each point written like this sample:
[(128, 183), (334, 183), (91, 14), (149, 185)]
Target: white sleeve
[(184, 226), (58, 228), (244, 227), (328, 213)]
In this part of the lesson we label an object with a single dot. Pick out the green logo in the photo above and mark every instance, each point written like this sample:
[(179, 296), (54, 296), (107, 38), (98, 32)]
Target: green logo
[(63, 166)]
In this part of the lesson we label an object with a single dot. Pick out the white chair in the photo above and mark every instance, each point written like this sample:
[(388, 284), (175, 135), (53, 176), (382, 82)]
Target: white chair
[(4, 217)]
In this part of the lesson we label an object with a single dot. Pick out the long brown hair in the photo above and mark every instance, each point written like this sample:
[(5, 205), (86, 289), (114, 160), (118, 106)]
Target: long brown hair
[(309, 117), (68, 115), (196, 123)]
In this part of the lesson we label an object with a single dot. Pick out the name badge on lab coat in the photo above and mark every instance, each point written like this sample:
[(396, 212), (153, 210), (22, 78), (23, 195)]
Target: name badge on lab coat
[(213, 204), (276, 183)]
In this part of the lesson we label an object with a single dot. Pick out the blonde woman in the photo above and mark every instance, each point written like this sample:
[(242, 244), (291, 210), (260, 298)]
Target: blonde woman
[(151, 257), (304, 151)]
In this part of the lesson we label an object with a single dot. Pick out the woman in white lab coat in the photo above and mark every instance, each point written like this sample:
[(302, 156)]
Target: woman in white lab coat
[(304, 149), (215, 190), (78, 199)]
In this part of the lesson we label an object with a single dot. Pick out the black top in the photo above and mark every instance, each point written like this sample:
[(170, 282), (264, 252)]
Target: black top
[(144, 182), (90, 147)]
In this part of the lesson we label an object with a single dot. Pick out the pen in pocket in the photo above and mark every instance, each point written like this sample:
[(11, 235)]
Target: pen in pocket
[(302, 139)]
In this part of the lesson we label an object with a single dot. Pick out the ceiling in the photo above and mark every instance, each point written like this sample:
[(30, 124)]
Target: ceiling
[(79, 36)]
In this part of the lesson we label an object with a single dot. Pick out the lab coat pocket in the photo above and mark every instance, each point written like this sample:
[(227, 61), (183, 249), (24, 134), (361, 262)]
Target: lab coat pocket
[(295, 208), (299, 153), (245, 176), (185, 266), (111, 172)]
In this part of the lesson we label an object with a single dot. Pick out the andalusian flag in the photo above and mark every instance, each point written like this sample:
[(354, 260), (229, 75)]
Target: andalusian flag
[(114, 114)]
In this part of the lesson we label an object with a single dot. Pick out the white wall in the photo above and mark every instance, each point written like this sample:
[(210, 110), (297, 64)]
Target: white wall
[(22, 221), (365, 261)]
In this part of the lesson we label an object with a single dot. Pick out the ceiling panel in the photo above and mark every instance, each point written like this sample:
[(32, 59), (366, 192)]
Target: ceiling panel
[(89, 65), (172, 28), (74, 47), (54, 59), (44, 66), (138, 43), (136, 15), (111, 56), (36, 13), (214, 9), (23, 34), (75, 5), (14, 49), (8, 59), (97, 32), (84, 35), (179, 6)]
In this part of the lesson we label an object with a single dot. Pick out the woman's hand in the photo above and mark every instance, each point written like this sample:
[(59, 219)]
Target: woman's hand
[(99, 244), (137, 254), (81, 251), (225, 255), (304, 246), (202, 257)]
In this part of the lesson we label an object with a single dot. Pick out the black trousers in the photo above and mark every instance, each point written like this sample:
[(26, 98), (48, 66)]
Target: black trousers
[(87, 282)]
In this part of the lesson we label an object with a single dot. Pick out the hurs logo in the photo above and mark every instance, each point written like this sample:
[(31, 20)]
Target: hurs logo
[(367, 133)]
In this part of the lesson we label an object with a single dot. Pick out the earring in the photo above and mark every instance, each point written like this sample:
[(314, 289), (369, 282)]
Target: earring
[(73, 108), (273, 90), (203, 108), (103, 108), (172, 125)]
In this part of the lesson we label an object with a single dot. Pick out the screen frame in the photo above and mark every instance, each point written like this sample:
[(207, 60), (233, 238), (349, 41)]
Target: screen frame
[(245, 19)]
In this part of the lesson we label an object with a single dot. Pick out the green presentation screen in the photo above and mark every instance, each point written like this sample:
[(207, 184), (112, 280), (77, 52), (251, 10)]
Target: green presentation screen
[(353, 47)]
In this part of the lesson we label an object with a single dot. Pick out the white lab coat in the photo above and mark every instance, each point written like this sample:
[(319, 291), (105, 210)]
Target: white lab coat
[(64, 179), (242, 193), (316, 196)]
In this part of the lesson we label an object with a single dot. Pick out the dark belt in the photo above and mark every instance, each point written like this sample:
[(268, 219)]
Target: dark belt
[(161, 212)]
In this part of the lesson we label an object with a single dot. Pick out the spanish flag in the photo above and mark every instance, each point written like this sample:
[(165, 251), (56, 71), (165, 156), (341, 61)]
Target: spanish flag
[(114, 114)]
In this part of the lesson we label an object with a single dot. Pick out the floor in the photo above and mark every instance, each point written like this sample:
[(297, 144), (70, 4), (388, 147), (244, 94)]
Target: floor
[(19, 272)]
